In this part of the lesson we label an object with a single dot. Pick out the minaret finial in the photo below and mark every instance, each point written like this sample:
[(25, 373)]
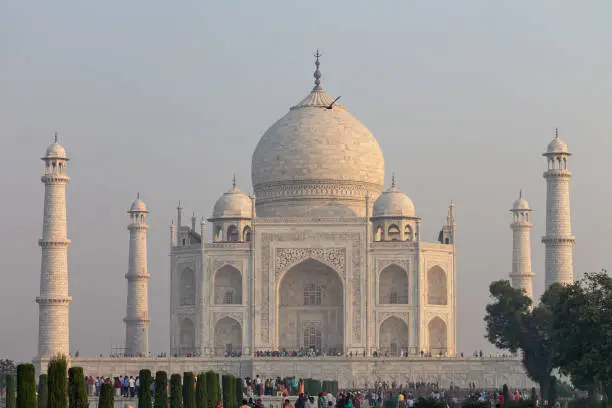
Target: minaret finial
[(234, 181), (55, 137), (317, 73), (393, 180), (138, 195), (556, 133), (521, 193)]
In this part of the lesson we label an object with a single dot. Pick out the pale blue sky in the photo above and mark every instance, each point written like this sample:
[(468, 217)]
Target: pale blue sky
[(170, 99)]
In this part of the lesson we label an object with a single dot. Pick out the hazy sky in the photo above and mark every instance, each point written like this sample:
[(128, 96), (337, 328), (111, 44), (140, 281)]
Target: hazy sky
[(170, 99)]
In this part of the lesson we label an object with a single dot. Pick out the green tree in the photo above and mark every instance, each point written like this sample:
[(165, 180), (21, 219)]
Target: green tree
[(229, 388), (583, 329), (201, 398), (239, 395), (213, 392), (58, 383), (189, 392), (513, 324), (506, 394), (7, 367), (11, 398), (26, 386), (107, 396), (161, 390), (176, 392), (43, 391), (144, 391), (77, 388)]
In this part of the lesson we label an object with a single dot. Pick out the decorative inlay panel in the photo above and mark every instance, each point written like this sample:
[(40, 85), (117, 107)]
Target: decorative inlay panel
[(238, 316), (218, 263), (288, 257)]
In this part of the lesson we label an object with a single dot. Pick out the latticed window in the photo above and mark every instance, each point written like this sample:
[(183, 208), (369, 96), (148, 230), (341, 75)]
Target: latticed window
[(312, 336), (228, 298), (394, 349), (312, 294), (394, 298)]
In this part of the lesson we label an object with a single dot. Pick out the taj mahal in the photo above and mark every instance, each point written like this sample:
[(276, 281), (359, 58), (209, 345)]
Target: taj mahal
[(320, 273)]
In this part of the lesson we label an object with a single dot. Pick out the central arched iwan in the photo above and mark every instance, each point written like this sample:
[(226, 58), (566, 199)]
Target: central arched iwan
[(310, 308)]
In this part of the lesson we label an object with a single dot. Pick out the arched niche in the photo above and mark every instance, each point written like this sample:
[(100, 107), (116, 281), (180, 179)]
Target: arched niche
[(187, 337), (437, 334), (393, 233), (228, 286), (393, 285), (437, 289), (228, 337), (311, 301), (232, 234), (246, 234), (393, 336), (187, 287)]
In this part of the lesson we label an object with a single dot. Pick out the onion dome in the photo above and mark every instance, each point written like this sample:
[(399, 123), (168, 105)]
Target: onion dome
[(557, 146), (233, 204), (393, 203), (55, 150), (316, 153), (521, 203), (138, 205)]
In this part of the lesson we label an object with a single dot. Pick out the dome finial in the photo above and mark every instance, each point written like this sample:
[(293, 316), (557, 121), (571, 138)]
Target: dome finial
[(234, 181), (521, 193), (393, 180), (317, 73), (556, 133), (55, 137), (138, 195)]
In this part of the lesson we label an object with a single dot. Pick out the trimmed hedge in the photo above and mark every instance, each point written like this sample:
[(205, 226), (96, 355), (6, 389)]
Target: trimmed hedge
[(176, 392), (58, 383), (213, 392), (161, 390), (189, 392), (11, 398), (201, 391), (26, 386), (229, 390), (144, 392), (43, 391), (77, 388), (107, 396), (238, 391)]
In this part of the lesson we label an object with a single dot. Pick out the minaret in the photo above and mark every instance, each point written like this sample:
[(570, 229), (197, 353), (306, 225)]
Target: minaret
[(54, 302), (521, 276), (558, 239), (137, 317)]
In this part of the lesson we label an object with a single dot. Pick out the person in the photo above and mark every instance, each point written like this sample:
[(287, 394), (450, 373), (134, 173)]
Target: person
[(310, 402), (244, 404), (301, 401), (219, 405), (287, 404)]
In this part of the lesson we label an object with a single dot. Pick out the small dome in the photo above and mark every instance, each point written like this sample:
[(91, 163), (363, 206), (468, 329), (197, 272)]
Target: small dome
[(521, 204), (233, 204), (138, 206), (557, 145), (55, 151), (393, 203)]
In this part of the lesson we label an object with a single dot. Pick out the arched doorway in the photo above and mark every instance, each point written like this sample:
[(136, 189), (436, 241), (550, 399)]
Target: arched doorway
[(393, 285), (310, 308), (228, 286), (228, 337), (187, 338), (437, 286), (187, 289), (437, 336), (393, 337)]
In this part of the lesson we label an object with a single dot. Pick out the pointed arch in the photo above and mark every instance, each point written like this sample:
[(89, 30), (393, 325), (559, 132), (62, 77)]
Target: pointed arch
[(393, 233), (438, 336), (228, 336), (393, 285), (437, 287), (378, 234), (187, 288), (393, 336), (232, 234), (246, 234), (310, 307), (187, 337), (228, 286), (408, 234)]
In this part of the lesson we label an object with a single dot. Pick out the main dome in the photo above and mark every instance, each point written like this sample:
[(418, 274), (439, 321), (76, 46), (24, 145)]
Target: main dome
[(317, 155)]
